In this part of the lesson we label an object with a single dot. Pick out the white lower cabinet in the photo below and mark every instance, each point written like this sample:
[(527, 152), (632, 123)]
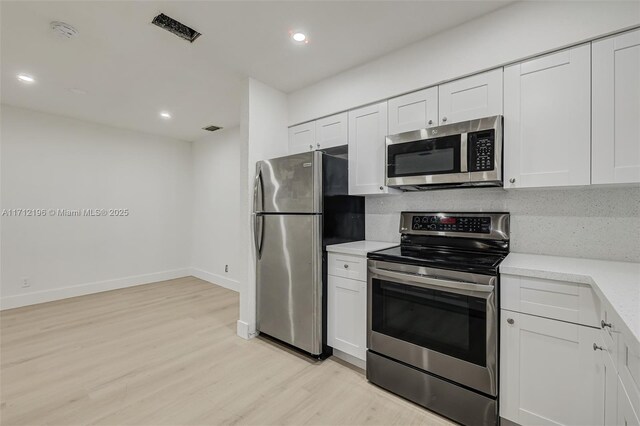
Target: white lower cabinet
[(347, 309), (550, 373), (626, 415), (565, 357), (347, 306)]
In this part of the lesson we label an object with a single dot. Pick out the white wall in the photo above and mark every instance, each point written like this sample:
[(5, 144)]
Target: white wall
[(514, 32), (216, 209), (52, 162), (263, 129), (589, 222)]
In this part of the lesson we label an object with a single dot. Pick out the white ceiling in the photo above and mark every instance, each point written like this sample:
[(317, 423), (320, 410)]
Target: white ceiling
[(131, 70)]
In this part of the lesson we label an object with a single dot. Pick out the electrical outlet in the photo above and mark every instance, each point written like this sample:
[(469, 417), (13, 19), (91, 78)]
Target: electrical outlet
[(25, 282), (226, 268)]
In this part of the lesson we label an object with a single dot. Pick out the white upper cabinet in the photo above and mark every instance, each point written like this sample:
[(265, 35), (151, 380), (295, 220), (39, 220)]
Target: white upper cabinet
[(469, 98), (616, 109), (547, 120), (331, 131), (302, 138), (367, 133), (413, 111)]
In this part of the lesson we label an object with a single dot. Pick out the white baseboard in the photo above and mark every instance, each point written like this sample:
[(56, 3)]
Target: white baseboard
[(33, 298), (220, 280), (242, 329)]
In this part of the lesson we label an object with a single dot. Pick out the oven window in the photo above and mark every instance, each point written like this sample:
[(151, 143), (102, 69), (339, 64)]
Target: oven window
[(448, 323), (424, 157)]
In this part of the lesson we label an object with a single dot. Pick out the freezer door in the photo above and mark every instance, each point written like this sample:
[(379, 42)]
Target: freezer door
[(290, 184), (289, 280)]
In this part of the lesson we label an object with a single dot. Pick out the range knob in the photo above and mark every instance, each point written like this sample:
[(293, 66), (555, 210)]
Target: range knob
[(431, 227)]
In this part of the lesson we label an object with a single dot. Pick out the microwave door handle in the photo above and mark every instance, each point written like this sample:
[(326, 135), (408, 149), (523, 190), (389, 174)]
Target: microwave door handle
[(430, 282), (464, 159)]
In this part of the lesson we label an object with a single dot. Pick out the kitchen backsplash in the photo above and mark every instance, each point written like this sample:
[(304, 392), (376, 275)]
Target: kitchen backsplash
[(589, 222)]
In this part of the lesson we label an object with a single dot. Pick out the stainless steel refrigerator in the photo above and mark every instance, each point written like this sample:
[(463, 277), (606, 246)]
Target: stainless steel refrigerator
[(301, 204)]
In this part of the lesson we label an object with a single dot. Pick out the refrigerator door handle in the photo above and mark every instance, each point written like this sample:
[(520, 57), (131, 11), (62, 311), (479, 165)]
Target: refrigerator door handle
[(258, 231), (258, 193)]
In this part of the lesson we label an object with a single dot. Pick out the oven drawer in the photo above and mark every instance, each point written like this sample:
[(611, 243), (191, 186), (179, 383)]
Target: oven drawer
[(347, 266), (565, 301)]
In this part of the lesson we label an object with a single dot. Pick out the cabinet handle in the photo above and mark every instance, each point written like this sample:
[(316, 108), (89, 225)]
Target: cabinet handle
[(318, 145), (510, 320), (597, 348), (382, 188), (346, 266), (444, 119), (512, 180), (605, 324), (430, 122)]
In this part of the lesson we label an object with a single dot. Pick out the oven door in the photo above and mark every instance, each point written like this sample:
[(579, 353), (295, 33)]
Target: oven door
[(413, 160), (443, 322)]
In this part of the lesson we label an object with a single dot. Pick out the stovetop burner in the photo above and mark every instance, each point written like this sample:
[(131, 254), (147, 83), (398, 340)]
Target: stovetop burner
[(441, 258), (468, 242)]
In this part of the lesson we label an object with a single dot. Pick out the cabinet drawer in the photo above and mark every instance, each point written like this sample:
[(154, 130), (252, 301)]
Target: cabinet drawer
[(572, 302), (347, 266)]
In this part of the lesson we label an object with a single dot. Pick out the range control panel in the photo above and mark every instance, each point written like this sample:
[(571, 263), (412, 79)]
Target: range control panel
[(477, 225), (481, 150)]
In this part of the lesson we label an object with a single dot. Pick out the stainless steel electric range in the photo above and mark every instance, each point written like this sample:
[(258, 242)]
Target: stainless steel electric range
[(432, 313)]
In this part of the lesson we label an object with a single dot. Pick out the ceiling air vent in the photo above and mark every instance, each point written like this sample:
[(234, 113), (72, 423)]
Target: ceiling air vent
[(211, 128), (175, 27)]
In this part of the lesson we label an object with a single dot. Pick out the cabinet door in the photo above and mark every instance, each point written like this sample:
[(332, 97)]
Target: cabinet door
[(550, 374), (547, 120), (367, 133), (413, 111), (626, 414), (610, 389), (346, 309), (616, 109), (302, 138), (469, 98), (331, 131)]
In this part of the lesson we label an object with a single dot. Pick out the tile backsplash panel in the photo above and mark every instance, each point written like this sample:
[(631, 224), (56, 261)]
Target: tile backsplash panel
[(588, 222)]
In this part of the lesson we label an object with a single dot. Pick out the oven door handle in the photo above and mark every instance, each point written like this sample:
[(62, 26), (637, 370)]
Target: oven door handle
[(430, 282)]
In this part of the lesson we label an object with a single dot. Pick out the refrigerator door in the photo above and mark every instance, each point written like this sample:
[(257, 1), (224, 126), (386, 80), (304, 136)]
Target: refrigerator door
[(290, 184), (289, 280)]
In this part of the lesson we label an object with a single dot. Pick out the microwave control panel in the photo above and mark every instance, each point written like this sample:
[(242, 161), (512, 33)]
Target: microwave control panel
[(476, 225), (481, 150)]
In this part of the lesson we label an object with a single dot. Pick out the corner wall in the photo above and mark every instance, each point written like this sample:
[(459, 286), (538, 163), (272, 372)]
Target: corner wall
[(216, 209), (264, 135), (53, 162)]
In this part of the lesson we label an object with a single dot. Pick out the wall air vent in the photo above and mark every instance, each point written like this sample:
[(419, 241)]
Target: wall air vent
[(175, 27), (211, 128)]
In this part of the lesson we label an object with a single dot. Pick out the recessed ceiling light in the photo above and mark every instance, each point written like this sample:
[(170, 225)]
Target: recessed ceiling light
[(26, 78), (298, 37), (165, 115)]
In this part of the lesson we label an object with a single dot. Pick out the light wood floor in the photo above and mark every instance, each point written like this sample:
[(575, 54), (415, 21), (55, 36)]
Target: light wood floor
[(167, 354)]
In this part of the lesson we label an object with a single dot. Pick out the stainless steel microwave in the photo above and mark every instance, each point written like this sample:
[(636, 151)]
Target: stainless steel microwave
[(468, 153)]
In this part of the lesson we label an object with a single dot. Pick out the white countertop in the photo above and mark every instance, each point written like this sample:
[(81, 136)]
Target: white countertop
[(616, 282), (360, 248)]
